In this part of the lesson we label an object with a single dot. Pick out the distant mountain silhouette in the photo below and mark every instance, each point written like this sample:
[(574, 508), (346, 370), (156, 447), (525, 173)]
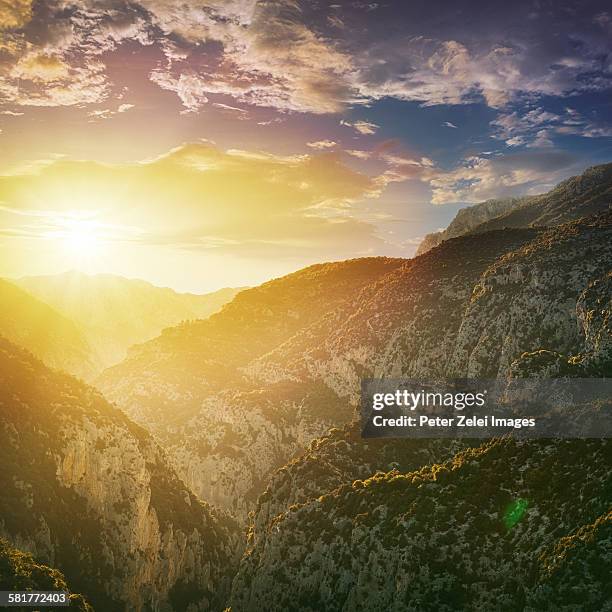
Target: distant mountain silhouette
[(51, 336), (117, 312)]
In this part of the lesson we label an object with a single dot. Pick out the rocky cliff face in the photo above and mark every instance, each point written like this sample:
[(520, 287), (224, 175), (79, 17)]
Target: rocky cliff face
[(496, 527), (237, 399), (469, 218), (533, 298), (470, 307), (589, 193), (89, 492), (580, 196), (224, 432), (230, 414), (341, 457)]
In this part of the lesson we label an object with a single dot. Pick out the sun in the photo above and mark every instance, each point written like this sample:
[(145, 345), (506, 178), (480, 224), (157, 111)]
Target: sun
[(80, 238)]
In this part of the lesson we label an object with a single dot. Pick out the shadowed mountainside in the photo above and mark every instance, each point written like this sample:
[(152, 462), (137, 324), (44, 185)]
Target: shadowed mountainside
[(189, 387), (469, 218), (89, 492), (20, 572), (494, 528), (235, 397)]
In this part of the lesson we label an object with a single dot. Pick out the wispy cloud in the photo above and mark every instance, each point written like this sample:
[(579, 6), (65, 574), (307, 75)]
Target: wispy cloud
[(365, 128), (537, 128), (481, 178), (321, 144)]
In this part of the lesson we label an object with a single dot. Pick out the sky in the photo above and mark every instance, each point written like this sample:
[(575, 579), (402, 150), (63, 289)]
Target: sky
[(207, 144)]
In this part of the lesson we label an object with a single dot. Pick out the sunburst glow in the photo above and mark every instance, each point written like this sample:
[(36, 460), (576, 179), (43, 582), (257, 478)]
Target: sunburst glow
[(80, 238)]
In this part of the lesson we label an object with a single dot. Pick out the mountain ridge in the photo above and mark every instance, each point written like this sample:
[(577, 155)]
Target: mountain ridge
[(578, 196), (47, 333), (115, 312)]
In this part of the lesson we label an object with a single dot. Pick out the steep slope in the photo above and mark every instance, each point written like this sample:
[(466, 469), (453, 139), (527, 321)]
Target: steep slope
[(577, 197), (209, 353), (235, 397), (575, 572), (469, 307), (341, 457), (469, 218), (49, 335), (19, 572), (232, 398), (540, 309), (580, 196), (223, 433), (537, 298), (117, 312), (89, 492), (479, 532)]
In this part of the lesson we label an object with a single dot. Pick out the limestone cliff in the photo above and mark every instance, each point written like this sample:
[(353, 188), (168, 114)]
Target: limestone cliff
[(229, 415), (470, 307), (339, 457), (89, 492), (224, 432), (469, 218), (577, 197)]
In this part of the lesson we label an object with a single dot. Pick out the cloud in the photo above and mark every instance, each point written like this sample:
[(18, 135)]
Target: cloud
[(361, 127), (537, 128), (15, 13), (284, 55), (40, 67), (190, 88), (270, 56), (107, 113), (359, 153), (85, 85), (518, 128), (229, 201), (233, 110), (321, 144), (480, 178), (336, 22), (448, 124), (493, 55)]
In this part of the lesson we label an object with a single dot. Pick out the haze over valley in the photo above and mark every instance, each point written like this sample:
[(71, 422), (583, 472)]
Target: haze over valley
[(218, 218)]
